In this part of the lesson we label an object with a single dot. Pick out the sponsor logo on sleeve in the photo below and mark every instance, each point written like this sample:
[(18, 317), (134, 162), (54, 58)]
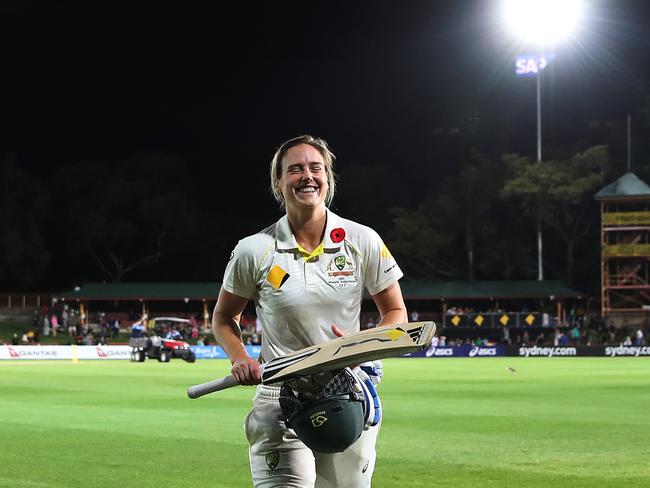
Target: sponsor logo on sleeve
[(385, 253)]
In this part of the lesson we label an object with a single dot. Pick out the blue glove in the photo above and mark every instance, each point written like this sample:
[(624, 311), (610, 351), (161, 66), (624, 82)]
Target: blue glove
[(372, 407), (374, 369)]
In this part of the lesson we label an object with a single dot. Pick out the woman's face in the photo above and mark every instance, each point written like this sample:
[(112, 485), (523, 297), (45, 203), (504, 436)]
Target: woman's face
[(303, 182)]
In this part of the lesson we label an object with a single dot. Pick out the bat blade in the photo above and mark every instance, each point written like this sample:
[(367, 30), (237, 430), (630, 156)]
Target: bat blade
[(368, 345)]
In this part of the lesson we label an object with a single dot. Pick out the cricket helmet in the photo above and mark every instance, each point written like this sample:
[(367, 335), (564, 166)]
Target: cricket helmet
[(326, 410)]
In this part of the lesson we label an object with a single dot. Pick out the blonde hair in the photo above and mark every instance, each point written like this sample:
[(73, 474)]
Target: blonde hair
[(317, 143)]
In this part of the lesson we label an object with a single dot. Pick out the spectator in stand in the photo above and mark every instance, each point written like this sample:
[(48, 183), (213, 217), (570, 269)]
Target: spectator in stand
[(639, 337), (72, 327), (115, 328), (627, 341), (195, 331), (15, 340), (65, 319), (23, 339), (525, 338), (564, 340), (575, 334), (625, 328), (46, 326), (415, 316), (505, 336), (54, 323)]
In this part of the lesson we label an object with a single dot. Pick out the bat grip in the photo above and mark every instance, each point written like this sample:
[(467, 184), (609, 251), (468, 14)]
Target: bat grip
[(197, 391)]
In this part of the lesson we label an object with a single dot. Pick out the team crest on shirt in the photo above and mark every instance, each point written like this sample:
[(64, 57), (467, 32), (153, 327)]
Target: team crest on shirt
[(340, 271), (272, 459)]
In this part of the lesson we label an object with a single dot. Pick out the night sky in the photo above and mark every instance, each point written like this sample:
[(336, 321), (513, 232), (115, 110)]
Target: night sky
[(221, 84)]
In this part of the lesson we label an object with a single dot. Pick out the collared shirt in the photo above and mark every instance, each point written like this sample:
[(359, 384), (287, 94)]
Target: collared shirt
[(299, 295)]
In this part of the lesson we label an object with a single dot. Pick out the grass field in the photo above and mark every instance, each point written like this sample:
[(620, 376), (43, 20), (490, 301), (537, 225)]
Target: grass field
[(574, 422)]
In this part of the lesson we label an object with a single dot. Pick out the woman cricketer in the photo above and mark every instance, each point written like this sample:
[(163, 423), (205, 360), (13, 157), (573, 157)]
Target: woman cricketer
[(306, 273)]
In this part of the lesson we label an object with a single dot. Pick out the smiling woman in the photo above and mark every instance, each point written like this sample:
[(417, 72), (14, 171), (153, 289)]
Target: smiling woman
[(305, 273), (321, 159)]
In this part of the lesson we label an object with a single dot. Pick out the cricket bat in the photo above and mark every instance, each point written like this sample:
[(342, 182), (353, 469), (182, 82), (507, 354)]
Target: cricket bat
[(367, 345)]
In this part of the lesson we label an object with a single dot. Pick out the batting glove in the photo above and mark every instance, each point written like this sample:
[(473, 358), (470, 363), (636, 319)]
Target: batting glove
[(372, 407), (374, 370)]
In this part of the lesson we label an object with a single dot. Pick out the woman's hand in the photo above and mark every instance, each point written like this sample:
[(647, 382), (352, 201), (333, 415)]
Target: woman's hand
[(246, 371), (337, 332)]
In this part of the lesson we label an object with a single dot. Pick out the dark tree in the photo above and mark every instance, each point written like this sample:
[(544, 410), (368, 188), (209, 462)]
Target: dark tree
[(561, 193), (23, 253), (129, 215)]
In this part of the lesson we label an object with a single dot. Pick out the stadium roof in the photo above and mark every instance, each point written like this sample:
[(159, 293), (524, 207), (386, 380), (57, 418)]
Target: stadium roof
[(627, 186), (412, 290), (449, 290), (144, 291)]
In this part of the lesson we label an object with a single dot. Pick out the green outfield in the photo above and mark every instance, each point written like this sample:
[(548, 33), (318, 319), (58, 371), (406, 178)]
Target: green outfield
[(448, 422)]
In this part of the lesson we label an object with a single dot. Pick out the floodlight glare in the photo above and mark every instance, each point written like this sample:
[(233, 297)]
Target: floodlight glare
[(542, 22)]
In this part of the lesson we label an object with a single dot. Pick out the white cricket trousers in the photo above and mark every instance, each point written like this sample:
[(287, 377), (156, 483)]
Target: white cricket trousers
[(279, 459)]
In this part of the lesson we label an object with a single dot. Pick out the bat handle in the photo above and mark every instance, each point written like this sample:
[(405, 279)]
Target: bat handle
[(197, 391)]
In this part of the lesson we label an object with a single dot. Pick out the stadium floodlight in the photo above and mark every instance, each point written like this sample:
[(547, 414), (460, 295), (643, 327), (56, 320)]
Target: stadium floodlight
[(542, 22)]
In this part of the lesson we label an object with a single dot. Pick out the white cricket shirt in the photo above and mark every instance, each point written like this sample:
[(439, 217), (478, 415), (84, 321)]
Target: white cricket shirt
[(299, 295)]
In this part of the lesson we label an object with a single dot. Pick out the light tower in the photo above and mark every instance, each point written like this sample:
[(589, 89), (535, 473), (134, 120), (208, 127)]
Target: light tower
[(541, 25)]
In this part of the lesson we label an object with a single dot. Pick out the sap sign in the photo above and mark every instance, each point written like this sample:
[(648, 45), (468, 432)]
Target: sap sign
[(531, 64)]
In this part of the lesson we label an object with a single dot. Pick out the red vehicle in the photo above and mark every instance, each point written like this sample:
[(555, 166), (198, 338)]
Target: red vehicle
[(157, 347)]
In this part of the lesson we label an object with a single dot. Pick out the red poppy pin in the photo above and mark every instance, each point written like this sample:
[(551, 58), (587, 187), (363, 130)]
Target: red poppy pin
[(337, 235)]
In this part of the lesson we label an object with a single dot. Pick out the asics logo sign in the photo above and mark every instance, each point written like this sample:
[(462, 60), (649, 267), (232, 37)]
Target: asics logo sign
[(440, 351), (482, 351)]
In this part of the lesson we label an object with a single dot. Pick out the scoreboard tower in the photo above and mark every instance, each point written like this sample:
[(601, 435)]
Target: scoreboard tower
[(625, 246)]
